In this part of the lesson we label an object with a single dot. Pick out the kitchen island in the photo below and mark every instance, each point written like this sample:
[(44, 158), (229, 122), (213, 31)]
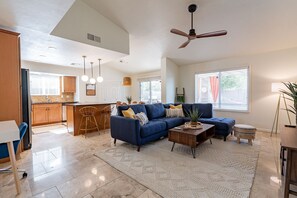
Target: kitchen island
[(74, 116)]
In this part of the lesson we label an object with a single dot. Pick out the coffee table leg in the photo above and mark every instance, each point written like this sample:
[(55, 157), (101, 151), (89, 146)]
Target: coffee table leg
[(210, 140), (172, 146), (193, 152)]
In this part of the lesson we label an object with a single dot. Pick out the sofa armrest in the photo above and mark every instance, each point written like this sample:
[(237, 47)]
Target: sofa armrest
[(125, 129)]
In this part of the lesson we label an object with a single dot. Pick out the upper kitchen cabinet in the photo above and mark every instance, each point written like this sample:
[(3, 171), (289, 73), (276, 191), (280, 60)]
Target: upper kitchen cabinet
[(68, 84), (10, 80)]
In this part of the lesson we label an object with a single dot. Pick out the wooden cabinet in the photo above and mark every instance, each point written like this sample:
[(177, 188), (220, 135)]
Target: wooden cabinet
[(68, 84), (10, 81), (46, 113)]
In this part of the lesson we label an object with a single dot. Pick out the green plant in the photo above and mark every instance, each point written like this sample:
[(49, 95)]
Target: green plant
[(129, 99), (291, 94), (180, 98), (194, 115)]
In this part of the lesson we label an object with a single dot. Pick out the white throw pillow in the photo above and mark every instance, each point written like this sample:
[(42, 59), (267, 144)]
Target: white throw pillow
[(174, 113), (142, 118)]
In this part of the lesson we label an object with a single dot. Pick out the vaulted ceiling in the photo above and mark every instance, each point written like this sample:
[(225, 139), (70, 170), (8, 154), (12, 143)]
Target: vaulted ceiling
[(253, 27)]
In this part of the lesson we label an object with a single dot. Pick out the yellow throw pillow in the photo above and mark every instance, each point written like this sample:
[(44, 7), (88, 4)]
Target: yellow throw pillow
[(128, 113), (176, 107)]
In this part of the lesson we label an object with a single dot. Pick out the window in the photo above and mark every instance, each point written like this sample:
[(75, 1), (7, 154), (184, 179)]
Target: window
[(44, 84), (150, 91), (226, 90)]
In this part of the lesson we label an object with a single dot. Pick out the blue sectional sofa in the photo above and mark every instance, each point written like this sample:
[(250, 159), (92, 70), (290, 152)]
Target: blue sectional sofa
[(130, 130)]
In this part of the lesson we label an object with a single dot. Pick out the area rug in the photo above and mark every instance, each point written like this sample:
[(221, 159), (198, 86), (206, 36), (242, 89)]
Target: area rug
[(221, 169)]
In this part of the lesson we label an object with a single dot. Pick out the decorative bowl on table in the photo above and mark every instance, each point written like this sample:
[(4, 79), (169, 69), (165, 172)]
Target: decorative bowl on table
[(189, 125)]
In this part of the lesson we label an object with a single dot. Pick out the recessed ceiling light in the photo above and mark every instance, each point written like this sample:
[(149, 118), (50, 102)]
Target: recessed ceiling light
[(74, 64), (52, 48), (42, 55)]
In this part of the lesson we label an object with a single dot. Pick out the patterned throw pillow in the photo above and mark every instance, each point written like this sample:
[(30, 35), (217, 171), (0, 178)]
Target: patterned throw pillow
[(174, 113), (142, 118)]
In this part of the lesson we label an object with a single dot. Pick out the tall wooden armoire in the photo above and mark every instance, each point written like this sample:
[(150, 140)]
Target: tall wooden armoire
[(10, 79)]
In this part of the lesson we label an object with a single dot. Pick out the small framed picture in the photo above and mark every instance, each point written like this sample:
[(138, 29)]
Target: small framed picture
[(91, 89)]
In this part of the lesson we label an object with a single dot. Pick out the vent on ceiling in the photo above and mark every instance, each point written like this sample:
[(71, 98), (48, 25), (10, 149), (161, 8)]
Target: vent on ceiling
[(94, 38)]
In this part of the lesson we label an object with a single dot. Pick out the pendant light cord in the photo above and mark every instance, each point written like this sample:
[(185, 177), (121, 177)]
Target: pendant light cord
[(92, 69), (99, 67), (84, 65)]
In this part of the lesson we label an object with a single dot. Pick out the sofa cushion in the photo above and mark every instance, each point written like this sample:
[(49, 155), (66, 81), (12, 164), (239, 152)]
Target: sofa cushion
[(225, 124), (205, 110), (152, 127), (187, 108), (155, 111), (173, 122), (136, 108)]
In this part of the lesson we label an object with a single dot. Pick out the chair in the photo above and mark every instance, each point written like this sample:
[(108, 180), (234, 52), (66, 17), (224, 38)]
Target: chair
[(119, 103), (105, 115), (4, 150), (88, 119)]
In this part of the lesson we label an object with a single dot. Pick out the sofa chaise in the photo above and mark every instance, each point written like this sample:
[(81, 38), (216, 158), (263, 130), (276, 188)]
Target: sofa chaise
[(130, 130)]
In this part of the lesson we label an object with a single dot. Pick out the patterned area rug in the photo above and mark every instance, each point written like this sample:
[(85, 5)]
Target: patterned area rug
[(221, 169)]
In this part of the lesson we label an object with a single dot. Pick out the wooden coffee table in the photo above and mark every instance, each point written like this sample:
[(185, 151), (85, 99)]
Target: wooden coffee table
[(191, 137)]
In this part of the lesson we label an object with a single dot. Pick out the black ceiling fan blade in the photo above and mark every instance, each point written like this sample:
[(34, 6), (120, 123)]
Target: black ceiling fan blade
[(212, 34), (185, 44), (178, 32)]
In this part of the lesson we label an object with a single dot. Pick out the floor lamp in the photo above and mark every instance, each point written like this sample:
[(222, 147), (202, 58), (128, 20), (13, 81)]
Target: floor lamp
[(275, 88)]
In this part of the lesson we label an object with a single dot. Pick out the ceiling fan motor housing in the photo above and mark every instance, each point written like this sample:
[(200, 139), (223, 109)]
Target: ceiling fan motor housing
[(192, 32)]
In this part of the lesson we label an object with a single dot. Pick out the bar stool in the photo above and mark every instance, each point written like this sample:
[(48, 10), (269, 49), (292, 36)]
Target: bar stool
[(88, 119), (105, 115)]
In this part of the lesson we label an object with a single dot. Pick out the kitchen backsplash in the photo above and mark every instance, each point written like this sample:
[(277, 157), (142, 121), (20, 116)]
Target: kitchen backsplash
[(65, 97)]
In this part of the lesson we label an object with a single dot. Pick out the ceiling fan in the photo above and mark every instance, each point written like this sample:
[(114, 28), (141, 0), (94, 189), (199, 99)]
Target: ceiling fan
[(192, 34)]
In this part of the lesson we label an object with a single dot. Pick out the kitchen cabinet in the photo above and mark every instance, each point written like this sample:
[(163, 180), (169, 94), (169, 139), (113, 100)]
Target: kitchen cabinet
[(46, 113), (10, 79), (68, 84)]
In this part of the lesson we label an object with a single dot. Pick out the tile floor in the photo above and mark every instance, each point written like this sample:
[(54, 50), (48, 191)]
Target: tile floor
[(60, 165)]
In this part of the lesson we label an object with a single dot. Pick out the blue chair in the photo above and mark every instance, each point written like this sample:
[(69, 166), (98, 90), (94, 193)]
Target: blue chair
[(4, 150)]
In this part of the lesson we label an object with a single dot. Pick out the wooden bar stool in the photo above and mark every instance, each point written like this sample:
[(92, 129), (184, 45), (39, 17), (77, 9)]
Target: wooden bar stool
[(105, 115), (88, 119)]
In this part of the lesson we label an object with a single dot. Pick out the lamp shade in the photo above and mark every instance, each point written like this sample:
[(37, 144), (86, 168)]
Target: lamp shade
[(127, 81), (277, 87)]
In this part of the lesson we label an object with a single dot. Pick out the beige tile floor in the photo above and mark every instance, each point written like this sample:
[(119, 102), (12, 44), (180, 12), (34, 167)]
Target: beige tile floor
[(60, 165)]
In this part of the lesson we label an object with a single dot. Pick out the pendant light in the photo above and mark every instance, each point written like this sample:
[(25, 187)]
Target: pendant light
[(84, 77), (92, 79), (99, 78)]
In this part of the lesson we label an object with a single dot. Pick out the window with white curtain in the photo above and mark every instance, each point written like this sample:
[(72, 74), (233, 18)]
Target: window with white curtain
[(226, 90), (44, 84), (150, 90)]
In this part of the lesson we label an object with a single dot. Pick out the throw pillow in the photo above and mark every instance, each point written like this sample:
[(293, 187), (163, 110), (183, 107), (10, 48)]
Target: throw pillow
[(142, 118), (174, 113), (176, 107), (129, 113)]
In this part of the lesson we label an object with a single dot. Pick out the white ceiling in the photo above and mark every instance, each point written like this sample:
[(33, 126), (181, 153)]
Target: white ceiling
[(253, 27)]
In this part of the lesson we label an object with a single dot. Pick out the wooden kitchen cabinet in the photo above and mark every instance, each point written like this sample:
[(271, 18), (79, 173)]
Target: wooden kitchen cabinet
[(10, 79), (46, 113), (68, 84)]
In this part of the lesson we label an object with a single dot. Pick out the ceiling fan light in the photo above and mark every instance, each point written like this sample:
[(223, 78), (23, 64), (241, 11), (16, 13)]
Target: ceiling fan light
[(84, 78), (100, 79), (92, 81)]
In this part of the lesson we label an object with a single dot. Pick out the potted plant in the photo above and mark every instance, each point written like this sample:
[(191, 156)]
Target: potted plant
[(291, 94), (129, 99), (194, 116)]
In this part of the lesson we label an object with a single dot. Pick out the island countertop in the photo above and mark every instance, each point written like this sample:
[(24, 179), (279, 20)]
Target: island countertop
[(88, 104)]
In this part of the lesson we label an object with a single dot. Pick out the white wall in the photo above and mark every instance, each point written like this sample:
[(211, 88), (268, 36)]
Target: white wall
[(266, 68), (169, 78), (135, 88), (110, 90)]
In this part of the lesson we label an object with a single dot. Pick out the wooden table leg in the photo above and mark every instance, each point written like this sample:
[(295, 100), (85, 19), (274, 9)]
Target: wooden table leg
[(172, 146), (288, 174), (13, 166)]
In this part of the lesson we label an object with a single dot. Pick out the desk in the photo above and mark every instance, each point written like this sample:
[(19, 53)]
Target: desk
[(289, 142), (9, 132)]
